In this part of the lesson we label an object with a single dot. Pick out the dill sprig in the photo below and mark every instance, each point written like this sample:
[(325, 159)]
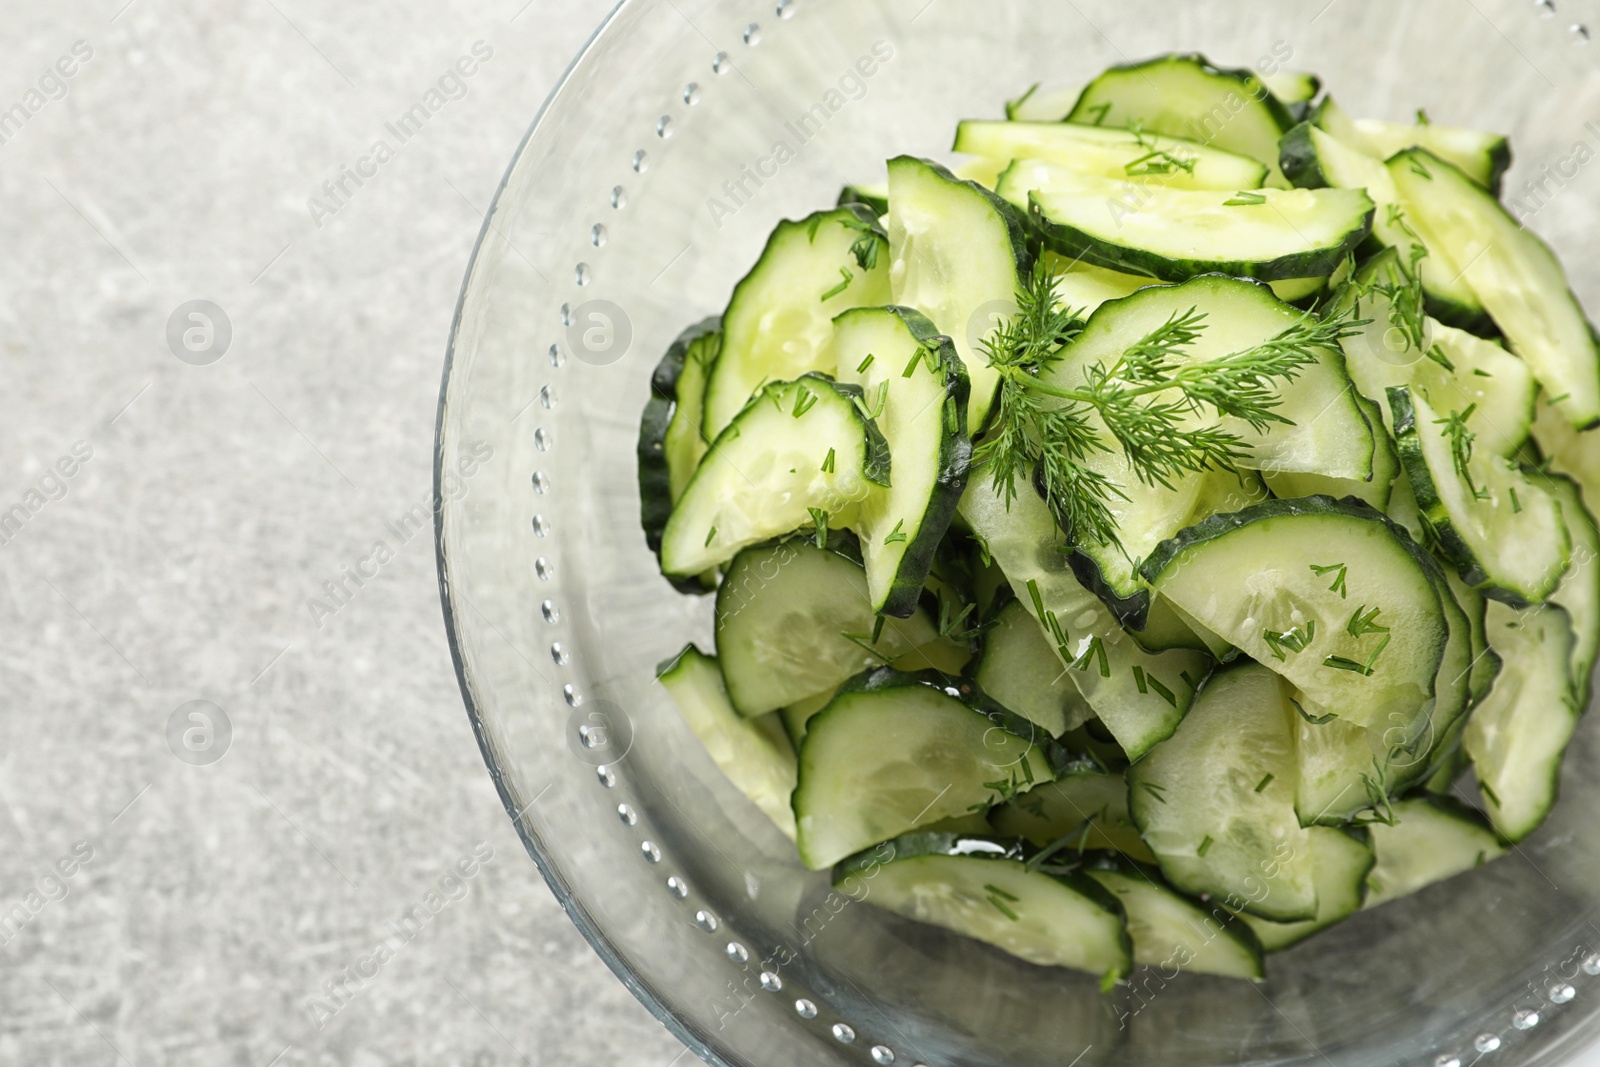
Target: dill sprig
[(1144, 403)]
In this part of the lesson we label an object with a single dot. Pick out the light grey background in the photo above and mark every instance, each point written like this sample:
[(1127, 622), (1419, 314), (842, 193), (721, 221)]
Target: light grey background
[(178, 562)]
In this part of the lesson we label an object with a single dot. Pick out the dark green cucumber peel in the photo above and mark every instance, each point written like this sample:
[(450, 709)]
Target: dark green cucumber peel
[(1017, 227), (655, 475), (1133, 612), (966, 691), (852, 195), (1297, 158), (955, 464)]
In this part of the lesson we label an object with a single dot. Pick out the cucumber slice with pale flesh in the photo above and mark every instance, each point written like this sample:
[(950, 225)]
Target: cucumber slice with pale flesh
[(1516, 737), (880, 762), (1340, 863), (794, 620), (1514, 274), (982, 888), (1328, 593), (1020, 669), (1483, 157), (1579, 591), (1215, 801), (1498, 526), (797, 447), (1453, 369), (1112, 153), (1186, 96), (1376, 489), (958, 254), (1174, 234), (1429, 840), (1083, 810), (917, 388), (1315, 159), (1138, 696), (1043, 103), (1171, 930), (754, 754)]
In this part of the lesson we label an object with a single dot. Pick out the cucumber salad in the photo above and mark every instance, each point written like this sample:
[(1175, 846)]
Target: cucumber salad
[(1152, 539)]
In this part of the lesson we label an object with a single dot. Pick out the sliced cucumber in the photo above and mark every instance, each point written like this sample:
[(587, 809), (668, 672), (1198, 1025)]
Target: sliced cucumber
[(1314, 159), (1185, 96), (1294, 89), (1043, 104), (1455, 370), (1083, 287), (794, 620), (1495, 523), (1340, 863), (1485, 661), (796, 447), (1341, 769), (670, 441), (754, 754), (981, 888), (1376, 490), (1172, 930), (779, 323), (1516, 737), (1450, 764), (1412, 759), (1112, 153), (1432, 838), (1326, 432), (879, 762), (1166, 629), (1483, 157), (1215, 801), (1020, 669), (1138, 696), (1084, 810), (1289, 582), (1514, 274), (958, 254), (1579, 591), (798, 715), (1565, 450), (894, 355), (1174, 234)]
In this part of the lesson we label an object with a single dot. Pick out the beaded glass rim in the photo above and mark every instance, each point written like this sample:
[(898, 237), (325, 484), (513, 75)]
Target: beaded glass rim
[(1555, 991)]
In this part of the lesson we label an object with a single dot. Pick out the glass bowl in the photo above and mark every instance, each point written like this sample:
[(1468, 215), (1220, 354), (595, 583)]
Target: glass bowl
[(644, 190)]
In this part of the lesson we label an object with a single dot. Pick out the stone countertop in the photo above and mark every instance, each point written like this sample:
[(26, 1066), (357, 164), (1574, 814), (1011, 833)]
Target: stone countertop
[(187, 883)]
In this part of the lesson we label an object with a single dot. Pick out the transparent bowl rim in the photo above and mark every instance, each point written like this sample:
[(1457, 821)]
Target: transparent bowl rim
[(602, 945)]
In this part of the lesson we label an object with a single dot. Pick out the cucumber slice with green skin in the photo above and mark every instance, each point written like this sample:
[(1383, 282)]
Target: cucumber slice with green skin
[(1433, 838), (1083, 287), (880, 762), (1215, 801), (1340, 863), (1336, 761), (779, 322), (1171, 930), (1174, 234), (796, 716), (794, 621), (1315, 159), (1516, 737), (1451, 763), (1020, 669), (1166, 629), (1186, 96), (797, 446), (1491, 520), (670, 445), (875, 198), (754, 754), (1564, 450), (1455, 371), (1138, 696), (1485, 661), (1376, 490), (958, 254), (1579, 591), (1483, 157), (1303, 574), (1042, 104), (895, 355), (1515, 275), (1413, 760), (1294, 89), (1327, 432), (983, 889), (1087, 808), (1112, 153)]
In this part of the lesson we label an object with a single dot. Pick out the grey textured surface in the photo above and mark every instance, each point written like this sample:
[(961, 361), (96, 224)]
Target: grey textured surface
[(222, 902)]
